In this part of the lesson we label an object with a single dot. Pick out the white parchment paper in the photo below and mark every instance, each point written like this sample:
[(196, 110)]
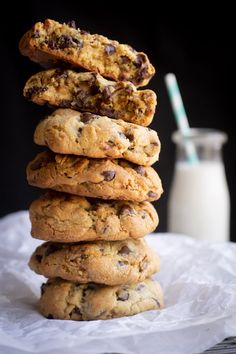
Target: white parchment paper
[(199, 281)]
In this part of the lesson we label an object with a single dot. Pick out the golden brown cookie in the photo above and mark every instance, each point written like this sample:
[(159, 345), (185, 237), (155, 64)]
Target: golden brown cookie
[(62, 217), (90, 92), (66, 300), (49, 43), (103, 262), (97, 178), (67, 131)]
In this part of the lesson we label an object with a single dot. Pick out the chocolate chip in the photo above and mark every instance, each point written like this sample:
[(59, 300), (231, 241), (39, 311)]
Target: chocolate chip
[(50, 317), (125, 59), (64, 41), (129, 136), (43, 287), (106, 93), (109, 112), (87, 117), (144, 214), (35, 34), (121, 263), (72, 24), (65, 104), (140, 170), (140, 60), (60, 74), (152, 194), (108, 175), (53, 247), (122, 295), (35, 90), (110, 49), (142, 74), (38, 258), (79, 99), (139, 287), (79, 131), (75, 311), (126, 209), (125, 250)]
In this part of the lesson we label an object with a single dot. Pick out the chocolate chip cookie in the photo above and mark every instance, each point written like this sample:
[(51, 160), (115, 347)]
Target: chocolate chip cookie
[(85, 134), (90, 92), (51, 43), (97, 178), (103, 262), (62, 217), (66, 300)]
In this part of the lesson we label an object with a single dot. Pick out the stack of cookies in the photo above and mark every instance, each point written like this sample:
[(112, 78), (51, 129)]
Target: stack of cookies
[(98, 170)]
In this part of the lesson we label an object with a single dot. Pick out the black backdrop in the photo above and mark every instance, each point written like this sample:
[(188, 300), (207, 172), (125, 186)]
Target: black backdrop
[(196, 45)]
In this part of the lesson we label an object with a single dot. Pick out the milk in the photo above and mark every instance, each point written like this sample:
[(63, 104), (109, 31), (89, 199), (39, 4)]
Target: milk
[(199, 204)]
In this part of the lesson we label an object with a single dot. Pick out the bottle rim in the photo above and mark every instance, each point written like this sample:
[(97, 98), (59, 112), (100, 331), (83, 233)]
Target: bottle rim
[(201, 136)]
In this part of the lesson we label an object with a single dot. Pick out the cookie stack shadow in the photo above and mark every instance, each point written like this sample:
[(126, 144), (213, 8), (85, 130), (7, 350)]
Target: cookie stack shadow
[(97, 170)]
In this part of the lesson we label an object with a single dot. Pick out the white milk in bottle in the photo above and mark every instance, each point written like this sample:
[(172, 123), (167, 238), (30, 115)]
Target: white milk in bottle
[(198, 203)]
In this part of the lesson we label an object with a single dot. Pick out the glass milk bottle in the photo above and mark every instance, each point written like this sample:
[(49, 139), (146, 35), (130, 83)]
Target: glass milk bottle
[(198, 203)]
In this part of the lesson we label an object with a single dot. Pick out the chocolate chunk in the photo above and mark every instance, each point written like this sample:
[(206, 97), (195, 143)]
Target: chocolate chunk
[(64, 41), (110, 49), (122, 295), (126, 209), (109, 112), (152, 194), (140, 60), (125, 250), (65, 104), (53, 247), (87, 117), (121, 263), (78, 102), (129, 136), (144, 214), (50, 317), (71, 24), (125, 59), (108, 175), (60, 74), (35, 90), (142, 74), (106, 93), (140, 170), (35, 34), (38, 258), (139, 287), (43, 287)]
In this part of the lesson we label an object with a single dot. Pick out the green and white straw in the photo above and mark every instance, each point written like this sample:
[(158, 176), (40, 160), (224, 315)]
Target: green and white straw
[(180, 116)]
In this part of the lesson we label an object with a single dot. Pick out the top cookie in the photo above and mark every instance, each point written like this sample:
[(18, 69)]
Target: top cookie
[(90, 92), (51, 43)]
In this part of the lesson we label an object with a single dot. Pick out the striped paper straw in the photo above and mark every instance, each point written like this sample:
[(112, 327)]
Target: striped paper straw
[(180, 116)]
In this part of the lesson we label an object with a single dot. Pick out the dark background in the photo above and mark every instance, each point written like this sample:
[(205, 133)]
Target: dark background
[(195, 44)]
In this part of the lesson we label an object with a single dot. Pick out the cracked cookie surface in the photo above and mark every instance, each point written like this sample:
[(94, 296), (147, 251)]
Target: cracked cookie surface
[(67, 131), (103, 262), (66, 300), (97, 178), (62, 217), (50, 43), (90, 92)]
